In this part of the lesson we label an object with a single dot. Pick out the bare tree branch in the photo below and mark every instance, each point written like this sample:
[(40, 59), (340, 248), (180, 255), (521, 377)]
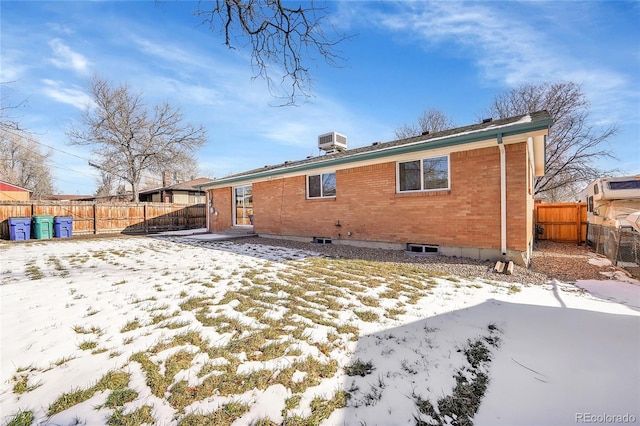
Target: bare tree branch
[(7, 121), (282, 39), (431, 120)]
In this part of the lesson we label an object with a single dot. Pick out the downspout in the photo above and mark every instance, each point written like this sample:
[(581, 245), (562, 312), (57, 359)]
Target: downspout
[(503, 197), (207, 210), (531, 179)]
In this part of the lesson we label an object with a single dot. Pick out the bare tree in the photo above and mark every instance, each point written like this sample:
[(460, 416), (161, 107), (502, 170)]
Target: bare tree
[(574, 146), (129, 139), (24, 163), (282, 37), (106, 184), (431, 120)]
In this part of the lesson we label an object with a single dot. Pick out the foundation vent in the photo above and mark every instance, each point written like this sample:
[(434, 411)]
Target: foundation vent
[(321, 240), (422, 248)]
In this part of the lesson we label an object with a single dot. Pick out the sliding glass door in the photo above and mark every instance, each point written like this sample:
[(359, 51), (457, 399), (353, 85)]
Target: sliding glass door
[(243, 202)]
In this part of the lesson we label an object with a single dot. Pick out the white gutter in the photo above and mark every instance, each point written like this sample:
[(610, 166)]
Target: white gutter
[(503, 197)]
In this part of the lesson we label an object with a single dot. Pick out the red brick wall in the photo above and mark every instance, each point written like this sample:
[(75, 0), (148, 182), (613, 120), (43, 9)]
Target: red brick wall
[(517, 193), (468, 215), (222, 203)]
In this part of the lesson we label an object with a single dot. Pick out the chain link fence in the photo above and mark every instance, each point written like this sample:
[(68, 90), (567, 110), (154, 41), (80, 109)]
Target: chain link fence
[(620, 246)]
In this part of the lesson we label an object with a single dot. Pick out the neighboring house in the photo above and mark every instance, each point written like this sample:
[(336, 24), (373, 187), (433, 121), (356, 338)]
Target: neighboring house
[(460, 192), (66, 197), (119, 198), (11, 192), (188, 192)]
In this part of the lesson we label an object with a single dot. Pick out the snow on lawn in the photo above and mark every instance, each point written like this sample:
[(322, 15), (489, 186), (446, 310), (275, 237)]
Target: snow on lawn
[(179, 329)]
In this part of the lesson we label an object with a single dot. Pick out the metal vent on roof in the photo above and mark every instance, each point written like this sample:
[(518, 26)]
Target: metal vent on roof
[(325, 139), (332, 141), (487, 120)]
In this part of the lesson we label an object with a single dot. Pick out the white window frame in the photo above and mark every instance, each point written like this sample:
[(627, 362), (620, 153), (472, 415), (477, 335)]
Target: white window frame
[(309, 197), (421, 161), (234, 202)]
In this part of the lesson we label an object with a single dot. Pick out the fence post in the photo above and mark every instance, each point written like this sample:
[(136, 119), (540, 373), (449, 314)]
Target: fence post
[(146, 223), (95, 219), (618, 233), (578, 223)]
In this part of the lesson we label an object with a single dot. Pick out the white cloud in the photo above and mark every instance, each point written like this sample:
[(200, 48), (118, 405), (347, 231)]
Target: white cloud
[(73, 96), (510, 48), (12, 70), (504, 48), (60, 28), (65, 58), (300, 127), (167, 52), (186, 93), (216, 87), (192, 75)]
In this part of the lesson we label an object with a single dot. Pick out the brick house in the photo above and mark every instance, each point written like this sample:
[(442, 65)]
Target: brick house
[(461, 192)]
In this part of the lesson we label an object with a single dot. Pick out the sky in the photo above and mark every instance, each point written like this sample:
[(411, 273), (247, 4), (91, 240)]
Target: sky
[(401, 59), (562, 354)]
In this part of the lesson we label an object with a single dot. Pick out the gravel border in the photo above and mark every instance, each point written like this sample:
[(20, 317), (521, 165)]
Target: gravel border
[(460, 266), (569, 262)]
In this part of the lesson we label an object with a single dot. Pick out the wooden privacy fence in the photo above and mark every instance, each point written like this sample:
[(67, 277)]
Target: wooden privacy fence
[(564, 222), (109, 218)]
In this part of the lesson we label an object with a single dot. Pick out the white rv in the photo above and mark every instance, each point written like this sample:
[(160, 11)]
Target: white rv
[(610, 201)]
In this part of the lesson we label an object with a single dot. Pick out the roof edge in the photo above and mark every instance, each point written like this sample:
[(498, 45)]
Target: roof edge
[(511, 129)]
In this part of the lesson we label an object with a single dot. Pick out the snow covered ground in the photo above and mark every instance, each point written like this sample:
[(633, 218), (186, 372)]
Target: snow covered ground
[(182, 329)]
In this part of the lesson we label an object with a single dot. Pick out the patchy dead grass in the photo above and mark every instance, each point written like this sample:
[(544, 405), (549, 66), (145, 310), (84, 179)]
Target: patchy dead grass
[(285, 321)]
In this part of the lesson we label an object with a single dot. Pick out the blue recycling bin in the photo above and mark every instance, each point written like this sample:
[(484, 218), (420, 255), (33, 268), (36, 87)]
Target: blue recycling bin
[(63, 226), (19, 228)]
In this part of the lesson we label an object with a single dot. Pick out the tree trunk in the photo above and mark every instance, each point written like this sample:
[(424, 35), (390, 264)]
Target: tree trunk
[(135, 193)]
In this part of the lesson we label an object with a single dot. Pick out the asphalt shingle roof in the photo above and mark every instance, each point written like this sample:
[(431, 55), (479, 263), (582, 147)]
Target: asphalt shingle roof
[(379, 146)]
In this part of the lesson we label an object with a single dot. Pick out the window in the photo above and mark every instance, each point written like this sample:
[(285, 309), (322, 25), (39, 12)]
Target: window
[(626, 184), (409, 173), (423, 175), (243, 196), (322, 185)]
